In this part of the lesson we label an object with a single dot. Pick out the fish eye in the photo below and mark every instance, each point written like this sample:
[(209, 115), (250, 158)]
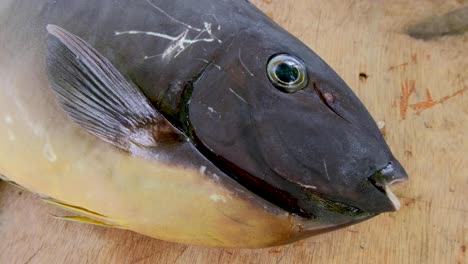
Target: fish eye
[(287, 73)]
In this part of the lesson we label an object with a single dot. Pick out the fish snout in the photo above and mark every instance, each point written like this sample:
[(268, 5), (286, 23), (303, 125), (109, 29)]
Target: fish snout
[(384, 178)]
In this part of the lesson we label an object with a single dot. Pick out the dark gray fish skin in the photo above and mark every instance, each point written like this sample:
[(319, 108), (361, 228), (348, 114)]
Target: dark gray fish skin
[(307, 155)]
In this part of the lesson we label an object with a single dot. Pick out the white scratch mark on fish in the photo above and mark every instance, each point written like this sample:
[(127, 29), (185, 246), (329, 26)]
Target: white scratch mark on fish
[(216, 177), (217, 21), (202, 170), (171, 17), (8, 119), (308, 186), (152, 56), (49, 152), (23, 113), (326, 169), (149, 33), (243, 64), (36, 128), (240, 190), (212, 64), (211, 110), (178, 46), (238, 96), (11, 135), (197, 38), (179, 43), (217, 197)]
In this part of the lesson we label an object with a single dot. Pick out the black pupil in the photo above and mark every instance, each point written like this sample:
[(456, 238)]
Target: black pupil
[(287, 73)]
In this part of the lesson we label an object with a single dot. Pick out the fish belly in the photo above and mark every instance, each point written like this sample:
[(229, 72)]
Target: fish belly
[(45, 152)]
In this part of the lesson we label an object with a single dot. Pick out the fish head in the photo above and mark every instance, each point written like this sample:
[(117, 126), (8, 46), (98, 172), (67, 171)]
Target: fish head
[(274, 116)]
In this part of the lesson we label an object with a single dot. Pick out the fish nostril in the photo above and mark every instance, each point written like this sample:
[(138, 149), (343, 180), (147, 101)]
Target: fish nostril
[(329, 97), (388, 172), (389, 175), (394, 173)]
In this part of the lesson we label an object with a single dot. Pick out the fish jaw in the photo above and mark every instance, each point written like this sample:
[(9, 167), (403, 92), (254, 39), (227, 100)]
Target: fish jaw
[(383, 179)]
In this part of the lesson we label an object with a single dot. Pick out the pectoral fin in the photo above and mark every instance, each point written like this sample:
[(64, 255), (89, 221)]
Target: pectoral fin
[(5, 179), (99, 98), (84, 220), (83, 215)]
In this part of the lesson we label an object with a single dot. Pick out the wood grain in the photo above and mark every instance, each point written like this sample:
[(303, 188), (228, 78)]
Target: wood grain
[(417, 88)]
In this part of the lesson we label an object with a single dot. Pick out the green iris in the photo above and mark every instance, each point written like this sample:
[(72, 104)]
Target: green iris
[(287, 73)]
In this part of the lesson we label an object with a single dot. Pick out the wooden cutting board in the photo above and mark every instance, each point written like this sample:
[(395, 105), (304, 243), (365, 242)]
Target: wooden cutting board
[(415, 85)]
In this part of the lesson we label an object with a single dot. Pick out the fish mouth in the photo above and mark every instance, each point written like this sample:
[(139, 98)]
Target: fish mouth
[(384, 178)]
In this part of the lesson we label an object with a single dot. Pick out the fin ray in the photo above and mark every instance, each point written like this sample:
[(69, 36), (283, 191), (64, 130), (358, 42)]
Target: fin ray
[(82, 213), (84, 220), (99, 98)]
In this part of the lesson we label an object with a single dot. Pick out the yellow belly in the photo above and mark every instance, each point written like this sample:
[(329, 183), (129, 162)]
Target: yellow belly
[(42, 150)]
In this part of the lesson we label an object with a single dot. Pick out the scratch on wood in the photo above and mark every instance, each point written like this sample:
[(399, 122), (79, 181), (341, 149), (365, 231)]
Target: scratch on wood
[(317, 30), (142, 259), (414, 60), (181, 253), (139, 260), (221, 253), (429, 102), (407, 88), (283, 255), (457, 93), (403, 66), (34, 255), (421, 106), (275, 250)]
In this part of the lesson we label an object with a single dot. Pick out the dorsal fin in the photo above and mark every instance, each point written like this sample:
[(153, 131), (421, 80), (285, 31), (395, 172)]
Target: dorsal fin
[(99, 98)]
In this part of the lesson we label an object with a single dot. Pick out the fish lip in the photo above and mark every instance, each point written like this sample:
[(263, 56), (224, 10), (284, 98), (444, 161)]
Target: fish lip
[(386, 177), (393, 198)]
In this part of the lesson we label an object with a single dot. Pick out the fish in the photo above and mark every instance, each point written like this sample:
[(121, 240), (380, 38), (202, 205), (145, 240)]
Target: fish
[(199, 122), (450, 24)]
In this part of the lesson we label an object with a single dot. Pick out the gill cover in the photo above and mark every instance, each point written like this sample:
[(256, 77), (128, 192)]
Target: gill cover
[(312, 149)]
